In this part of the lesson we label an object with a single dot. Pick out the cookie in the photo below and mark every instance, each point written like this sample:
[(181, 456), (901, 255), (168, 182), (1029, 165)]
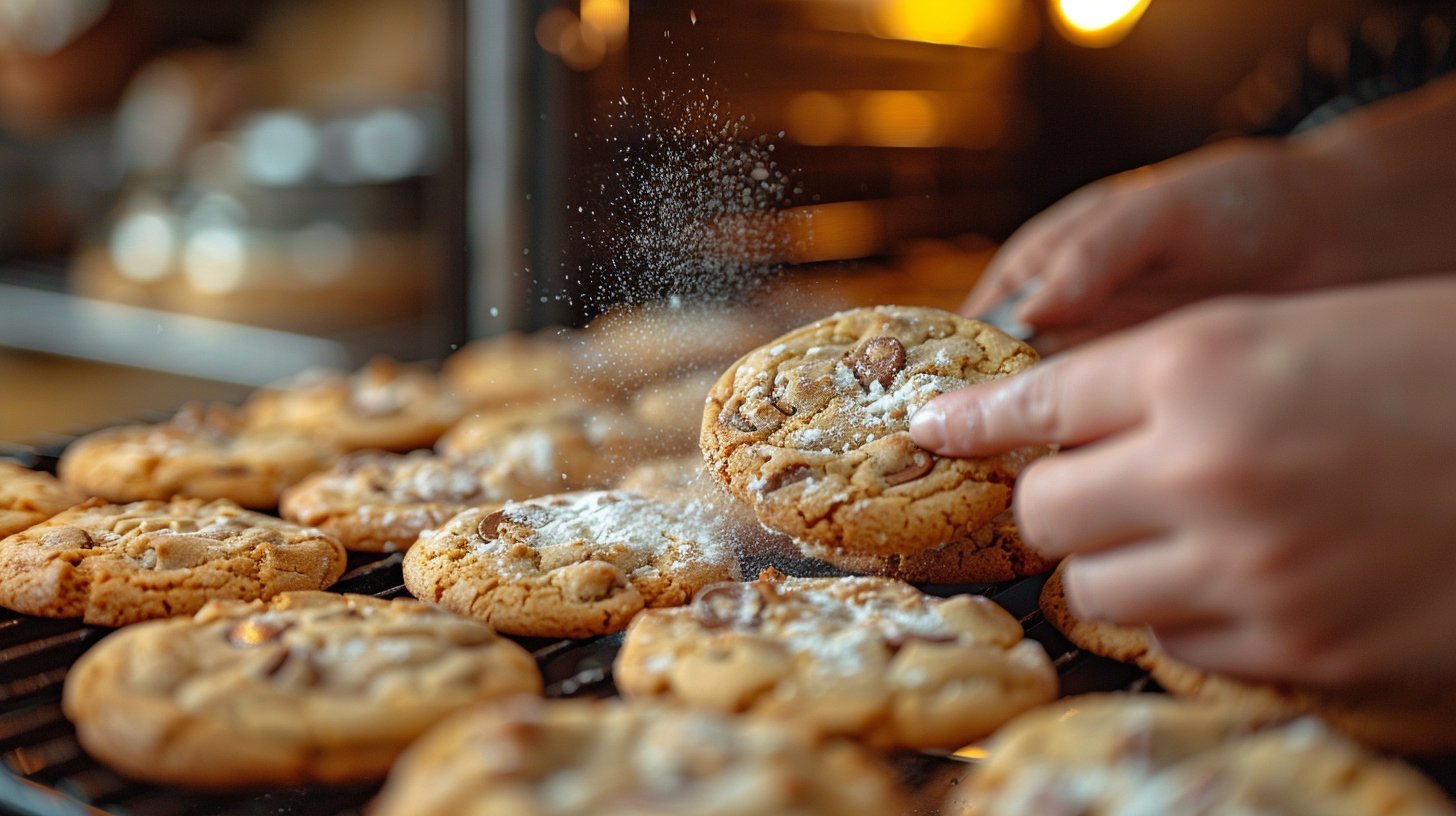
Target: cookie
[(115, 564), (812, 430), (513, 368), (309, 687), (1410, 720), (871, 658), (204, 452), (384, 405), (538, 450), (682, 481), (28, 497), (1146, 753), (990, 553), (571, 565), (374, 501), (606, 758)]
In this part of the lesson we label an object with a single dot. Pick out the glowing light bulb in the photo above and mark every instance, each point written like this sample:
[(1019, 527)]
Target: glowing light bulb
[(1097, 23)]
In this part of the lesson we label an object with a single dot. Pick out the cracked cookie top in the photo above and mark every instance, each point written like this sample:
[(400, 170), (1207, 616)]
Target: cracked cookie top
[(312, 685), (28, 497), (606, 758), (812, 429), (114, 564), (872, 658), (204, 452), (571, 565), (380, 502)]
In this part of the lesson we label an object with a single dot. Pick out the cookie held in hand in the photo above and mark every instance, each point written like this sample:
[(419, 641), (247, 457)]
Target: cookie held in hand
[(812, 430)]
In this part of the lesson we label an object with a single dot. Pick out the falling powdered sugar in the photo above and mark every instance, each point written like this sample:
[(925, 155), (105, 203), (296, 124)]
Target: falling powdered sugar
[(615, 520)]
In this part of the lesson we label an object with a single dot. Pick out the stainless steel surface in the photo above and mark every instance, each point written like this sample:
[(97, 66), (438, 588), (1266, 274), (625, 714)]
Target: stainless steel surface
[(62, 323)]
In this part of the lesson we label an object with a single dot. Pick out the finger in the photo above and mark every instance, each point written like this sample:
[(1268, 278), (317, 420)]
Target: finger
[(1056, 341), (1025, 253), (1220, 646), (1090, 499), (1081, 396), (1158, 582), (1108, 249)]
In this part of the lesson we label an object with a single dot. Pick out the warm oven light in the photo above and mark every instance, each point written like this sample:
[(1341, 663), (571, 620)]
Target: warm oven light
[(1097, 23), (976, 23)]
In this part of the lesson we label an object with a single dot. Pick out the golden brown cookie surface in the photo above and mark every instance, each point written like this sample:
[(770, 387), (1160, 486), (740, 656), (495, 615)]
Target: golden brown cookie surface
[(384, 405), (537, 450), (992, 552), (380, 502), (204, 452), (572, 565), (115, 564), (1126, 754), (606, 758), (312, 686), (28, 497), (871, 658), (812, 430)]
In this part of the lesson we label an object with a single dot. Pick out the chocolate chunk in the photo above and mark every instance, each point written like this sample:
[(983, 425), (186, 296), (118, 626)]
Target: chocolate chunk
[(720, 605), (70, 538), (785, 477), (255, 632), (877, 359), (761, 417), (490, 525), (920, 464)]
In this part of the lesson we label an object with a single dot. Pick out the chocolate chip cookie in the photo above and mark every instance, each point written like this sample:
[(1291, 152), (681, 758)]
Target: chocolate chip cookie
[(572, 565), (604, 758), (374, 501), (1148, 753), (311, 686), (513, 368), (204, 452), (871, 658), (812, 430), (1413, 720), (992, 552), (539, 450), (115, 564), (384, 405), (28, 497)]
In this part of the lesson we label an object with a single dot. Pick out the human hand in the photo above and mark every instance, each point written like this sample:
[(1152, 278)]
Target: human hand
[(1270, 484), (1244, 216)]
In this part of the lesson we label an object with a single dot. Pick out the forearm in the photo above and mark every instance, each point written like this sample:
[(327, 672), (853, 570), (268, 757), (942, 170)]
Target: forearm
[(1386, 186)]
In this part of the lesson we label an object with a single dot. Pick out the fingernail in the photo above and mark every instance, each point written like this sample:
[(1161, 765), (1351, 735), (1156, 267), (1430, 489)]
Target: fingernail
[(927, 427)]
